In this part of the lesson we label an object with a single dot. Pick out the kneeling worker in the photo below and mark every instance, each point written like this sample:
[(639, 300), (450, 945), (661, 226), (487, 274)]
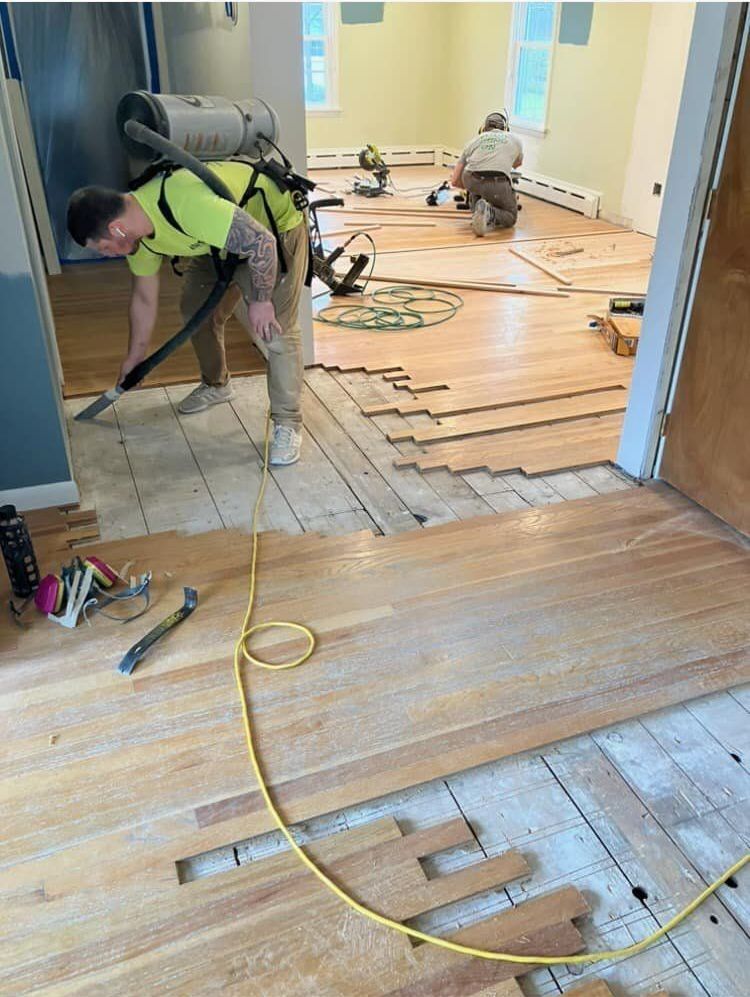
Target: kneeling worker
[(135, 226), (484, 169)]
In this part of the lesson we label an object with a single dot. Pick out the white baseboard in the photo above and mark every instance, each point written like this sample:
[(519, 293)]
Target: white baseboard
[(41, 496), (450, 155), (567, 195), (394, 155)]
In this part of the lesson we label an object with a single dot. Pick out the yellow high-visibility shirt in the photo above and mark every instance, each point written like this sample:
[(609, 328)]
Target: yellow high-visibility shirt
[(203, 215)]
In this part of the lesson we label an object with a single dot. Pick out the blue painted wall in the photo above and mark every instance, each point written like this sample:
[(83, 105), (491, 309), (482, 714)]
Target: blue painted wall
[(32, 444)]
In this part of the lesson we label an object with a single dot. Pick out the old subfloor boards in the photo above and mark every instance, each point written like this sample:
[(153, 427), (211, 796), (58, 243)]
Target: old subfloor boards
[(437, 651)]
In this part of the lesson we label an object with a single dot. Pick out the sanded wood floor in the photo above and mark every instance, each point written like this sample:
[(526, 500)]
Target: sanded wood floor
[(90, 308), (437, 650), (407, 222), (503, 347)]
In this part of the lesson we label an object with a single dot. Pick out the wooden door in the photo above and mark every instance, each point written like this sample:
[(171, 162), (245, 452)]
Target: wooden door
[(707, 445)]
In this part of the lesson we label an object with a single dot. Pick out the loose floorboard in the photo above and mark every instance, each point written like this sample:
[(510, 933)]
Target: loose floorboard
[(563, 586), (62, 528), (90, 308)]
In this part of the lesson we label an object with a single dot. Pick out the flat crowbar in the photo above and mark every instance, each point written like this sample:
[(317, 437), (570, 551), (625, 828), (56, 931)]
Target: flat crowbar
[(137, 651)]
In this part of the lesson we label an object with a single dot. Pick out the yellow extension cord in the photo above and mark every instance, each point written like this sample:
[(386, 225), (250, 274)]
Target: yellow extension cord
[(241, 651)]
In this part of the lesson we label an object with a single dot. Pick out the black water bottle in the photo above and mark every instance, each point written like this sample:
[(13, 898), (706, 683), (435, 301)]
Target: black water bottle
[(18, 553)]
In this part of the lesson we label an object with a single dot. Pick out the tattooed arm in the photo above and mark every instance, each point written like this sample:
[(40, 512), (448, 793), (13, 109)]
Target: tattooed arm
[(255, 244)]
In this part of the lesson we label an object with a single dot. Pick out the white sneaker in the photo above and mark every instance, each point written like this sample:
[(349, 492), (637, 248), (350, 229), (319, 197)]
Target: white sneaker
[(285, 445), (482, 219), (204, 396)]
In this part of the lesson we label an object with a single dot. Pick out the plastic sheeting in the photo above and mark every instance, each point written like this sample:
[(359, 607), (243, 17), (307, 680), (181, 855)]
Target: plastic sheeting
[(77, 60)]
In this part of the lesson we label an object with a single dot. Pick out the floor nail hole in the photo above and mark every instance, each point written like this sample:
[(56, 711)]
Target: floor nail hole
[(736, 757), (732, 882), (714, 919), (639, 893)]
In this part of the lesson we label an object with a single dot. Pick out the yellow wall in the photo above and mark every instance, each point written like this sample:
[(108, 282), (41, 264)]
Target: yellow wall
[(477, 64), (593, 93), (430, 72), (593, 97), (391, 81), (656, 113)]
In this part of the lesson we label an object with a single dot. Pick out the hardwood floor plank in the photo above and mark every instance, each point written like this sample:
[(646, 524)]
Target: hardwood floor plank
[(90, 307), (543, 449), (515, 417)]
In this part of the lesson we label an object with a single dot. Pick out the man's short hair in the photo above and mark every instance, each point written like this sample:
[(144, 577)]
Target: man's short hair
[(90, 210)]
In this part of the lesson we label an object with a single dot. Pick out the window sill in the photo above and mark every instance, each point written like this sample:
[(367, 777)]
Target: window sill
[(322, 112), (528, 129)]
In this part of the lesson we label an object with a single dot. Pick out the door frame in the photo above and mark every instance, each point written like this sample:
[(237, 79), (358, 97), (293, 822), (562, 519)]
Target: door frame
[(717, 46)]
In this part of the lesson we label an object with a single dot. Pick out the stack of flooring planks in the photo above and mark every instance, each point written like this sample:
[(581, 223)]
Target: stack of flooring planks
[(501, 349), (61, 528), (436, 651)]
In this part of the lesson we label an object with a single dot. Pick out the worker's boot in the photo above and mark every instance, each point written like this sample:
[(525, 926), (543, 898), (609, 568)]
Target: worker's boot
[(204, 396), (482, 219), (285, 445)]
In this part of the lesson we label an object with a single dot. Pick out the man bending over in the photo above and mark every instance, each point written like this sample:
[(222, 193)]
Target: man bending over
[(133, 225)]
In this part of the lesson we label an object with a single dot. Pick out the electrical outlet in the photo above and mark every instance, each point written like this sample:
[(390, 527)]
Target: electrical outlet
[(656, 190)]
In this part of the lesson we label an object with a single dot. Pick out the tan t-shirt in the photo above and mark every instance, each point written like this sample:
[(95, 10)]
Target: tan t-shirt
[(492, 152)]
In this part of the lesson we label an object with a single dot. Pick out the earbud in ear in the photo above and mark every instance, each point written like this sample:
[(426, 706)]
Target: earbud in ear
[(120, 232)]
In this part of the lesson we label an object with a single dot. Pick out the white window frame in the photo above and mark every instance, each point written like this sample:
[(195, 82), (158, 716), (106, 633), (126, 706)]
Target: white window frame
[(511, 81), (331, 40)]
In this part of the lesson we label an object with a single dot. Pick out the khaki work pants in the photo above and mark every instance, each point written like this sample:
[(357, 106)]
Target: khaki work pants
[(284, 353), (497, 191)]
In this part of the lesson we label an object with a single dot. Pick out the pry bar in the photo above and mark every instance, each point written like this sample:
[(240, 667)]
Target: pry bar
[(137, 651)]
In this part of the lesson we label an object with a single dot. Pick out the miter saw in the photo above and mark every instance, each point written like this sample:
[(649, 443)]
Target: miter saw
[(371, 160)]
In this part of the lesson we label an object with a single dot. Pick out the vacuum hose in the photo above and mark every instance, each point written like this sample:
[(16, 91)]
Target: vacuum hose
[(188, 330)]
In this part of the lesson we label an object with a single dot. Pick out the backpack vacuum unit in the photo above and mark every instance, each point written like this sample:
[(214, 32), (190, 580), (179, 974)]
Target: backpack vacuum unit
[(170, 131)]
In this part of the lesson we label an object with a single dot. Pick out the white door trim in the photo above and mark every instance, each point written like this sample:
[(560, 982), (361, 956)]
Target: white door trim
[(709, 80)]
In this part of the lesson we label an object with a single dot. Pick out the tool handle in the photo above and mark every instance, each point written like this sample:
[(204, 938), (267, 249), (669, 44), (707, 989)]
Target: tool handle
[(328, 202)]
